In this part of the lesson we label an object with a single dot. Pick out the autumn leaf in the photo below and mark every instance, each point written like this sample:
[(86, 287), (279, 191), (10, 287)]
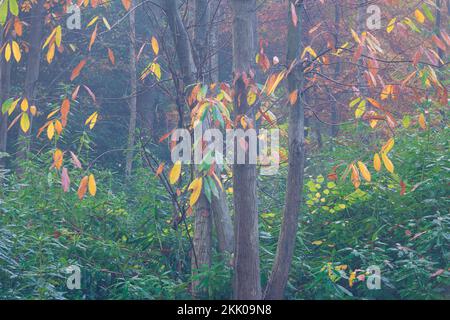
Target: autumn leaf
[(111, 56), (50, 131), (377, 162), (388, 146), (93, 37), (387, 163), (196, 188), (419, 16), (155, 46), (83, 187), (25, 122), (65, 109), (92, 185), (160, 169), (8, 52), (293, 96), (58, 156), (175, 172), (422, 121), (355, 176), (126, 4), (251, 97), (364, 171), (76, 71), (16, 51)]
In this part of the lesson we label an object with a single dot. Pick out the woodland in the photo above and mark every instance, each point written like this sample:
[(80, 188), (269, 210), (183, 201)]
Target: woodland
[(94, 95)]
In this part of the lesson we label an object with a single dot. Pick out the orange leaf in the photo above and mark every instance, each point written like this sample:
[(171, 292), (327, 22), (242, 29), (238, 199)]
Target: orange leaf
[(65, 108), (83, 187), (111, 56), (77, 70)]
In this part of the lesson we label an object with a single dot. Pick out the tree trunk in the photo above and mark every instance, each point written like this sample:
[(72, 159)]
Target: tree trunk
[(133, 97), (334, 107), (247, 282), (32, 73), (5, 84), (294, 189), (201, 255)]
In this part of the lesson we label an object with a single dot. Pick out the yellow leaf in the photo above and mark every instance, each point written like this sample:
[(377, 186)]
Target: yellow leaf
[(419, 16), (13, 106), (360, 109), (58, 36), (175, 172), (388, 146), (196, 188), (50, 131), (156, 69), (92, 120), (377, 162), (155, 46), (51, 53), (352, 278), (391, 25), (317, 242), (16, 51), (422, 122), (106, 23), (364, 171), (25, 122), (387, 163), (24, 105), (355, 36), (8, 52), (251, 97), (92, 185), (309, 50)]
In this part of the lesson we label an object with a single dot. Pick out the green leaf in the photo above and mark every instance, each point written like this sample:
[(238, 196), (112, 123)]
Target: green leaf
[(428, 12), (6, 105), (3, 12), (13, 7)]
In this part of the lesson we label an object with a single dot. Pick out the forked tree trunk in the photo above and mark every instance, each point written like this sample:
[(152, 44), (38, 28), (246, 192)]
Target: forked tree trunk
[(133, 97), (286, 241), (247, 282)]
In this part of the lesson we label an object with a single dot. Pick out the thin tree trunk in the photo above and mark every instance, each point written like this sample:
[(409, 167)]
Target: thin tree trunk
[(247, 282), (32, 73), (201, 255), (334, 107), (5, 84), (220, 211), (133, 97), (294, 189)]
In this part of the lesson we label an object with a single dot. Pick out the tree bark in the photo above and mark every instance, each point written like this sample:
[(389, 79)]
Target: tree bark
[(334, 107), (133, 97), (294, 189), (247, 282), (32, 73), (5, 84)]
